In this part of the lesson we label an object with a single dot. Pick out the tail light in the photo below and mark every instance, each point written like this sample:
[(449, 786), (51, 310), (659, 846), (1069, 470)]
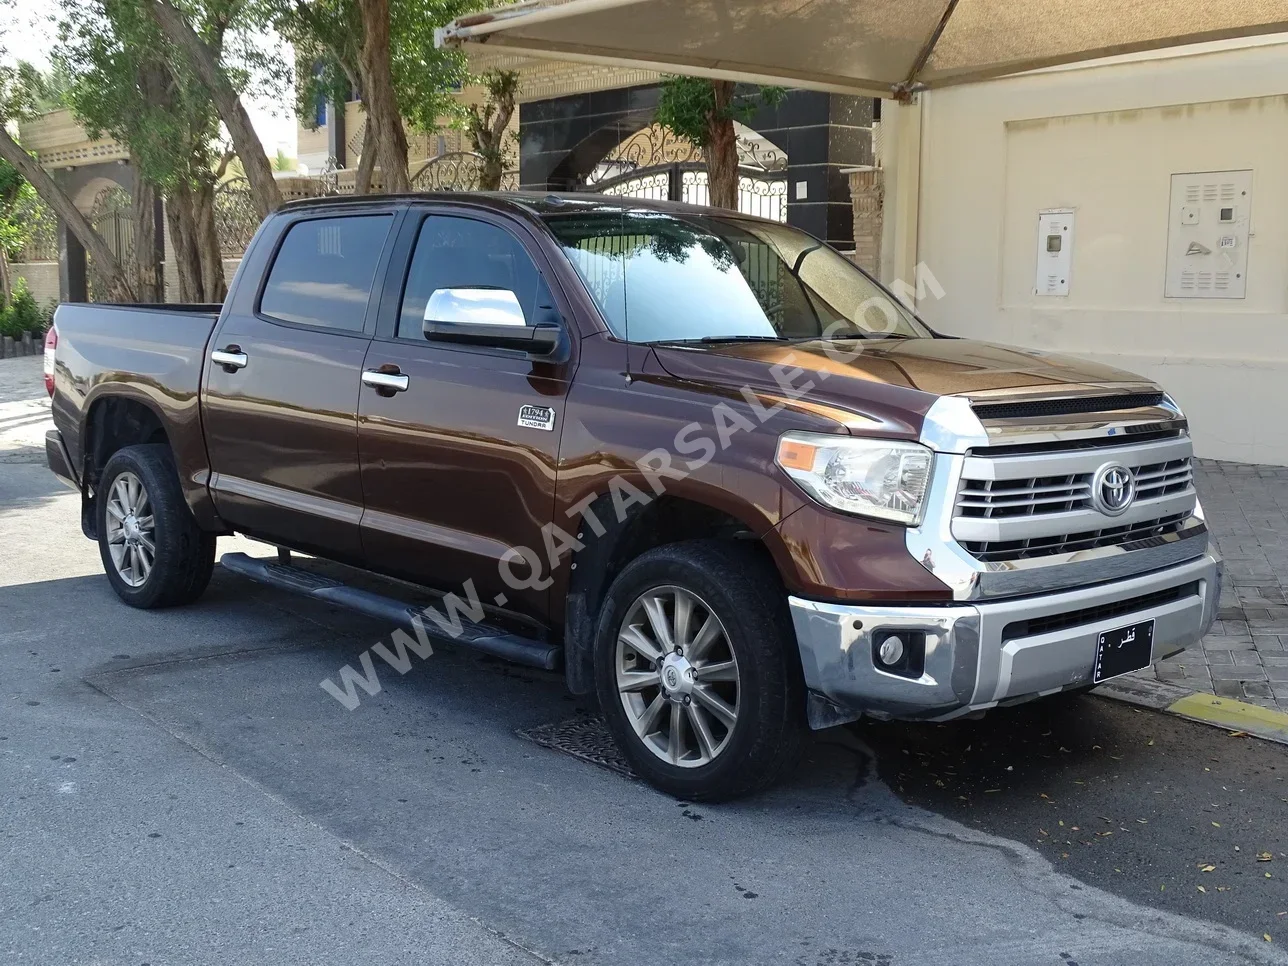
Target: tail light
[(51, 344)]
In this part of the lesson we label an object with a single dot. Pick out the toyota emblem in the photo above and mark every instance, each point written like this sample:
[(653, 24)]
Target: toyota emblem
[(1113, 489)]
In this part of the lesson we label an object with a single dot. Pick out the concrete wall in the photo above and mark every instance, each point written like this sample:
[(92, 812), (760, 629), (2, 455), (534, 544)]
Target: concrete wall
[(1104, 140), (170, 273), (42, 279)]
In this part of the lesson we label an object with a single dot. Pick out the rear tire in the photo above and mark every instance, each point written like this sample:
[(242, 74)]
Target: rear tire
[(729, 684), (153, 551)]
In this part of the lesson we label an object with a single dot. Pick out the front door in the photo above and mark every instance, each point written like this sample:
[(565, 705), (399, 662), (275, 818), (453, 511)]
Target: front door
[(281, 387), (453, 476)]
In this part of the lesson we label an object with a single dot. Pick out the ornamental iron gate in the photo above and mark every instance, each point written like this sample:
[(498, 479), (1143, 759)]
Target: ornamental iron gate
[(657, 165), (760, 193), (112, 216)]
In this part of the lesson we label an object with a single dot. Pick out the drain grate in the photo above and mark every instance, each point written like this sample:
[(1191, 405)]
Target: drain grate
[(585, 737)]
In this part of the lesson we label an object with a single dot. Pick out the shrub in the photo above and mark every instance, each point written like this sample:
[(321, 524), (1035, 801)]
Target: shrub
[(22, 314)]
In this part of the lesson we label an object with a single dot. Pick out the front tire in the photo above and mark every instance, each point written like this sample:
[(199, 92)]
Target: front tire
[(153, 551), (697, 671)]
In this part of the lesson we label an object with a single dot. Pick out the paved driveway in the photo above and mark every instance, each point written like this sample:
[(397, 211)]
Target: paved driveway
[(1246, 655), (175, 788), (24, 409)]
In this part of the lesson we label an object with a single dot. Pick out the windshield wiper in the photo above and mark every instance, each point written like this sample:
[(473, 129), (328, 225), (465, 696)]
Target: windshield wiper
[(869, 335), (743, 338), (709, 339)]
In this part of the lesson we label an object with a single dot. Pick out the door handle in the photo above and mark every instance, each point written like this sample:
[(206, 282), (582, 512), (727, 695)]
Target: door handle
[(385, 383), (230, 357)]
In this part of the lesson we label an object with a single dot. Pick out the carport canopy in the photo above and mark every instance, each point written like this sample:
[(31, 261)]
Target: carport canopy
[(881, 48)]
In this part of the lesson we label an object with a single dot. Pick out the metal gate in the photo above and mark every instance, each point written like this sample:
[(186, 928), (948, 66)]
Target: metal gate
[(112, 217), (760, 193)]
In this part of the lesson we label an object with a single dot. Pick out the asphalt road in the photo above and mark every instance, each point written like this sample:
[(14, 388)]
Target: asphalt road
[(176, 788)]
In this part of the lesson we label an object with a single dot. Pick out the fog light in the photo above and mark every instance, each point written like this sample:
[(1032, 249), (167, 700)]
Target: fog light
[(890, 651), (901, 652)]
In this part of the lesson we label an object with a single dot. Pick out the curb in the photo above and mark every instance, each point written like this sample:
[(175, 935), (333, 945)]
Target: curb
[(1199, 706)]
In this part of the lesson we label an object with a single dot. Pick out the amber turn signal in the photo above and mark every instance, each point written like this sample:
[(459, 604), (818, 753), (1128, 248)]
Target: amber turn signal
[(795, 455)]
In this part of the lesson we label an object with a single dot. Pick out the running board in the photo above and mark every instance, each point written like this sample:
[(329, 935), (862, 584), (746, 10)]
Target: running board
[(480, 637)]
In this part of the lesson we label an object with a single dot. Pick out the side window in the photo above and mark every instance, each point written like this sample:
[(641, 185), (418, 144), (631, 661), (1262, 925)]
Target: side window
[(456, 252), (324, 270)]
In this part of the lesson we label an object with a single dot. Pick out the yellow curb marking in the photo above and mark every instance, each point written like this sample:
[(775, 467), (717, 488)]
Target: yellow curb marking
[(1228, 713)]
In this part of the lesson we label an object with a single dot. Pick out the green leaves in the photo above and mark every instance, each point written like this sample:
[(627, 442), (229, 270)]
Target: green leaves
[(686, 105), (327, 37), (126, 82)]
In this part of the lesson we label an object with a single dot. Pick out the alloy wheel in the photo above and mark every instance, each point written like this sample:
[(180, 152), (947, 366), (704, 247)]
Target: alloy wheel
[(677, 677), (131, 530)]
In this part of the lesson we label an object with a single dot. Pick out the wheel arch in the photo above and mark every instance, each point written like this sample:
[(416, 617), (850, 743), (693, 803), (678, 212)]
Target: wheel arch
[(116, 420), (119, 414), (665, 519)]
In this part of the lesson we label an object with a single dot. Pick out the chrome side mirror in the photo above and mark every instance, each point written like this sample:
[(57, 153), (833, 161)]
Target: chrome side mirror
[(489, 317), (474, 306)]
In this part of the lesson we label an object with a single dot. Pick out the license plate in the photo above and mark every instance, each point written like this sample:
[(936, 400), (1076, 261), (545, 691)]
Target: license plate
[(1124, 649)]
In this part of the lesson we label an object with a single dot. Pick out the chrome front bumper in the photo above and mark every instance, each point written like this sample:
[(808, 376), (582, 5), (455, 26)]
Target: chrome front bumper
[(972, 660)]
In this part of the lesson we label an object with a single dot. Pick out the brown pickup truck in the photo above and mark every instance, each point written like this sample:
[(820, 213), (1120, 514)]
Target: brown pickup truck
[(698, 460)]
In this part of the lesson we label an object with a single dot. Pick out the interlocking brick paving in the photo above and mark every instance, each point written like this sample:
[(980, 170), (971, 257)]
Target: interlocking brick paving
[(1246, 654)]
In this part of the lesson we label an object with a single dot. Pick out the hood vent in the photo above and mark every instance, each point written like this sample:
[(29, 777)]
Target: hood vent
[(1065, 407)]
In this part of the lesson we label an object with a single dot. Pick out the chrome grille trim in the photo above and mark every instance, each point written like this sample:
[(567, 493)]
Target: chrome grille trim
[(1072, 462), (1033, 496), (1073, 542), (1160, 479), (953, 431), (1017, 506)]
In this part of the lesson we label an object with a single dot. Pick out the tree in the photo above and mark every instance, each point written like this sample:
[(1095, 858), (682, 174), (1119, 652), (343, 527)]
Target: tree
[(704, 112), (18, 89), (383, 115), (16, 225), (488, 126), (347, 45), (126, 81), (201, 53)]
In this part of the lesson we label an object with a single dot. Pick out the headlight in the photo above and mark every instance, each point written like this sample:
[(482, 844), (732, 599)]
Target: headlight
[(872, 477)]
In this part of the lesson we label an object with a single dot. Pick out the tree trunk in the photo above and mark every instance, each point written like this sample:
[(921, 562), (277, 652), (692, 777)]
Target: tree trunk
[(259, 172), (366, 160), (489, 137), (379, 99), (6, 283), (211, 257), (113, 272), (148, 282), (722, 150), (183, 248), (491, 172)]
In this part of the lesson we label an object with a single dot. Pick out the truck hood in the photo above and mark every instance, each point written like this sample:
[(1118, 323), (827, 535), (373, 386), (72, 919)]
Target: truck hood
[(893, 382)]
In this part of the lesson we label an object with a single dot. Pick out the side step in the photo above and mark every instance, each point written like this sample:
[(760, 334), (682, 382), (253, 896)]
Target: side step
[(481, 637)]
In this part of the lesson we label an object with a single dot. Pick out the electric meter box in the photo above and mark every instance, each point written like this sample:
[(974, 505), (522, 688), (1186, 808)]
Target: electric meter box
[(1055, 251), (1207, 235)]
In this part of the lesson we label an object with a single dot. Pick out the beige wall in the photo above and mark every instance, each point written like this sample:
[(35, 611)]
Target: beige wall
[(41, 277), (1104, 140)]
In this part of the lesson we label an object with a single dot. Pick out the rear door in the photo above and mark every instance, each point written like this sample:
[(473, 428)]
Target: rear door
[(281, 396), (453, 474)]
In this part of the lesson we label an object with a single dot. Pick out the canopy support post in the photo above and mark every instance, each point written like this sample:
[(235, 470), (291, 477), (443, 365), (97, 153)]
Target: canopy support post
[(901, 164), (903, 92)]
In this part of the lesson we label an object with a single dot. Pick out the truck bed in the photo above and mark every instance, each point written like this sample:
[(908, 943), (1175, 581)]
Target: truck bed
[(149, 354)]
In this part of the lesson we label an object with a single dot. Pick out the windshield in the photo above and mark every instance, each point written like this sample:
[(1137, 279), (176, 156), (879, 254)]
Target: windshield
[(661, 277)]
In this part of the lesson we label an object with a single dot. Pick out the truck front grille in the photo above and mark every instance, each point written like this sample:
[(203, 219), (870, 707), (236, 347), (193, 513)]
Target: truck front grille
[(998, 550), (1058, 494), (1037, 501)]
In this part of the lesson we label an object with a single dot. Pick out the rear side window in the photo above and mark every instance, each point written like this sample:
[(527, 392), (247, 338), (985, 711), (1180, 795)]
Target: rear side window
[(324, 271)]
